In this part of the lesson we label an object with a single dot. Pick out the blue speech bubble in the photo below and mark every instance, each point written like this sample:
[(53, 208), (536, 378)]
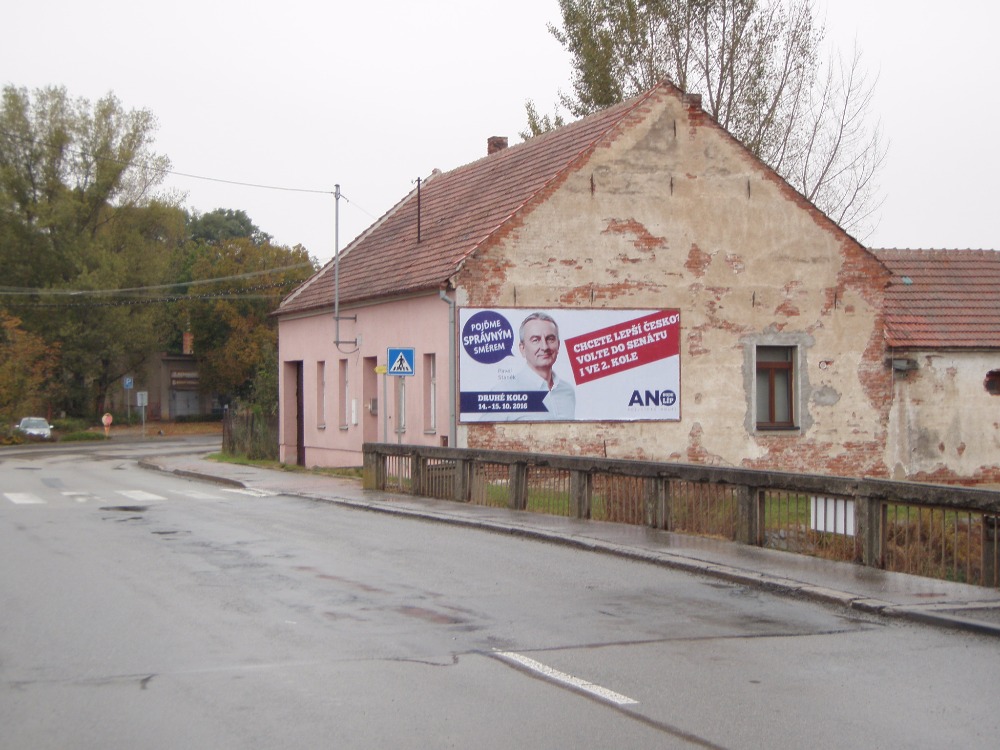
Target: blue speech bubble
[(488, 337)]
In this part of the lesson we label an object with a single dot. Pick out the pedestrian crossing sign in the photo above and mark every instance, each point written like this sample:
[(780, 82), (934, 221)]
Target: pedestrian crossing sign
[(401, 361)]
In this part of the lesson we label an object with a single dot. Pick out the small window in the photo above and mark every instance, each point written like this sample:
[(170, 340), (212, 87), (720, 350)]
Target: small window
[(343, 394), (992, 382), (321, 395), (430, 393), (775, 378)]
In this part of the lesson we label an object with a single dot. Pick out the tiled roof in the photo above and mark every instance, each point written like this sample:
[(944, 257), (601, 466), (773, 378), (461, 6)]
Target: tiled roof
[(459, 210), (942, 299)]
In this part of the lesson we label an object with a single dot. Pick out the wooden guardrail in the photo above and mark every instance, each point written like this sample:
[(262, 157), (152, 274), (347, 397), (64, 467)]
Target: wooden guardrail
[(940, 530)]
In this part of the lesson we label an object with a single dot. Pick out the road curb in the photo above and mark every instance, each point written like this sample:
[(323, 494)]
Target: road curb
[(187, 473)]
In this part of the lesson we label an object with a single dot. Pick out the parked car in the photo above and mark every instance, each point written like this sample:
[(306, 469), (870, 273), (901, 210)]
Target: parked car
[(35, 427)]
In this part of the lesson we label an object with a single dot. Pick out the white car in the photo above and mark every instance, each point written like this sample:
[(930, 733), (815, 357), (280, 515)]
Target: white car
[(36, 427)]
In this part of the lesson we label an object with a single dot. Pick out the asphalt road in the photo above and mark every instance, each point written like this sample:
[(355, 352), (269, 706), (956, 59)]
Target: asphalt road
[(145, 610)]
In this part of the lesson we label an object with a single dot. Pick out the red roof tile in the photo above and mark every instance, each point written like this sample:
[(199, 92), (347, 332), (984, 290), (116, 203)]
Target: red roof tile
[(459, 210), (942, 299)]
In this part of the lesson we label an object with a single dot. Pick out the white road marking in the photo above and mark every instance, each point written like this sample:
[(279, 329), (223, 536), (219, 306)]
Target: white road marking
[(80, 497), (196, 495), (566, 679), (24, 498), (140, 495), (252, 492)]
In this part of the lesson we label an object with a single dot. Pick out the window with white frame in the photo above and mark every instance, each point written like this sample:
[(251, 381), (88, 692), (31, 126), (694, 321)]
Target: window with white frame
[(430, 393), (343, 404), (321, 394)]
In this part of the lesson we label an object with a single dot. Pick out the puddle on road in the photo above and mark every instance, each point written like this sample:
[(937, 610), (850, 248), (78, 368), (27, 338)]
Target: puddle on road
[(127, 508)]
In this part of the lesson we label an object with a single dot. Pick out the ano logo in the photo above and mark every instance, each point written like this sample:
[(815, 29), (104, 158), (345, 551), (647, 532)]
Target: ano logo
[(652, 398)]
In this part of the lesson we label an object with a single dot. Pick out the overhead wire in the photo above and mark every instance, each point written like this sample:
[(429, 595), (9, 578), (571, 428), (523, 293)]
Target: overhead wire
[(16, 291), (20, 291)]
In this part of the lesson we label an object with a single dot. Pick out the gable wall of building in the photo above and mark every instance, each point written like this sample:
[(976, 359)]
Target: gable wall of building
[(944, 423), (674, 214)]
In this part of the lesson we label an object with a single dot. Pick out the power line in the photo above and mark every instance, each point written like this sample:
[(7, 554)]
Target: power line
[(20, 292), (226, 294)]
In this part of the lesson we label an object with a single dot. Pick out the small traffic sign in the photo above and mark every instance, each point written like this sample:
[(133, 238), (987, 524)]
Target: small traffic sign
[(401, 361), (128, 383)]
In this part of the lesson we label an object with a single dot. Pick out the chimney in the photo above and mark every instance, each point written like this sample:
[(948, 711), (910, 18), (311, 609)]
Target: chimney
[(495, 143)]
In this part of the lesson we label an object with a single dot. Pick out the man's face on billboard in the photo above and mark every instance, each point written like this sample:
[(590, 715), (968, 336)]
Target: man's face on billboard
[(540, 345)]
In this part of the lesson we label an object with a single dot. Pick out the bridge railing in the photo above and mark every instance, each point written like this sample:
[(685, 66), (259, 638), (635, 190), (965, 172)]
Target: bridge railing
[(939, 531)]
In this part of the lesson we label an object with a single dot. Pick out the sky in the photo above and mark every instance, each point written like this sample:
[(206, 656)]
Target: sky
[(267, 107)]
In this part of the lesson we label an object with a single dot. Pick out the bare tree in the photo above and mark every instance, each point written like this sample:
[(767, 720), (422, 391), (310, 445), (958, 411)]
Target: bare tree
[(757, 65)]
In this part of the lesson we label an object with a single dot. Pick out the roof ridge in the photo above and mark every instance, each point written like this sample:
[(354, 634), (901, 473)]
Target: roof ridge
[(627, 108)]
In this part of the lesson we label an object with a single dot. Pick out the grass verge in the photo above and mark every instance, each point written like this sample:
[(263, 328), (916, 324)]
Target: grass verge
[(346, 472)]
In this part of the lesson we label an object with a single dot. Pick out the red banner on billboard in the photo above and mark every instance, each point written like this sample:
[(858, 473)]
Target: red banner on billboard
[(624, 346)]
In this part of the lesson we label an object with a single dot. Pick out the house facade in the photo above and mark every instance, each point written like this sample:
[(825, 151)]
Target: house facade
[(742, 326), (943, 340)]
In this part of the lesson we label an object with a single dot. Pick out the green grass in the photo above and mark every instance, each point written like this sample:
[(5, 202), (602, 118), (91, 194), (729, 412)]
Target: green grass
[(263, 463), (79, 437)]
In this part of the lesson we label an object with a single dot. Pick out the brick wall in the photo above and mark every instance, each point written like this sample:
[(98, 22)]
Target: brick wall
[(671, 212)]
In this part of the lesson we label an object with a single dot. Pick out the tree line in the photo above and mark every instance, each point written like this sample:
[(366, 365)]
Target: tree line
[(102, 270)]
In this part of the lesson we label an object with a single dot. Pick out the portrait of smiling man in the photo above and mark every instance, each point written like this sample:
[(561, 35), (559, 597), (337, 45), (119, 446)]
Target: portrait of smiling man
[(539, 345)]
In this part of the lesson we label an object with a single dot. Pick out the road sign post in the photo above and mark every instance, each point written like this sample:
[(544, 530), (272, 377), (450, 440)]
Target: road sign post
[(141, 399), (127, 382), (402, 363)]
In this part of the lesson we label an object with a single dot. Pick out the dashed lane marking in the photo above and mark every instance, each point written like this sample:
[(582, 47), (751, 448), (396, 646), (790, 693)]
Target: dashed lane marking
[(80, 497), (140, 495), (555, 675), (252, 492), (196, 495), (24, 498)]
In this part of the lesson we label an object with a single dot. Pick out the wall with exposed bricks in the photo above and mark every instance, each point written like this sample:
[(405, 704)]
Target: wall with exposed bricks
[(674, 213)]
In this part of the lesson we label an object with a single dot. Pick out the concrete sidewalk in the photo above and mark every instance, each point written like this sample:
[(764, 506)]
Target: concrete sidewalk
[(927, 600)]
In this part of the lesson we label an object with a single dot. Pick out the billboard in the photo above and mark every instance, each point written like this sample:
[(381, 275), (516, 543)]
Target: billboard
[(570, 365)]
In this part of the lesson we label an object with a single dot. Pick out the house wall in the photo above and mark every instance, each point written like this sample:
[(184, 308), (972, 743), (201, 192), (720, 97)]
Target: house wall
[(674, 214), (944, 425), (337, 422)]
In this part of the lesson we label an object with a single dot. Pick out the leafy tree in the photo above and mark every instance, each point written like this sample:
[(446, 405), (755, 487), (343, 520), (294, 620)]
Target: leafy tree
[(224, 224), (78, 223), (27, 365), (235, 338), (757, 65)]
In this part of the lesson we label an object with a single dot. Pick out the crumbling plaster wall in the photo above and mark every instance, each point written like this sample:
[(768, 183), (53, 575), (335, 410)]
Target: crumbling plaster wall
[(944, 424), (674, 213)]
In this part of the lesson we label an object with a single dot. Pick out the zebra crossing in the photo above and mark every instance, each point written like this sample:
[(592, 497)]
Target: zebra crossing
[(75, 497)]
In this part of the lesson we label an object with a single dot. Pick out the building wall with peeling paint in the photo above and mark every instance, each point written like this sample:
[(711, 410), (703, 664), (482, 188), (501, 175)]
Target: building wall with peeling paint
[(944, 425), (675, 213)]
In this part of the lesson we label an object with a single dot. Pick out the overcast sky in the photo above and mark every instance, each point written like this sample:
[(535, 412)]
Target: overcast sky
[(304, 95)]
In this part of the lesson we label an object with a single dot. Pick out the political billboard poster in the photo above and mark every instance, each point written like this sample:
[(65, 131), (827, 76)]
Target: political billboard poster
[(570, 365)]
